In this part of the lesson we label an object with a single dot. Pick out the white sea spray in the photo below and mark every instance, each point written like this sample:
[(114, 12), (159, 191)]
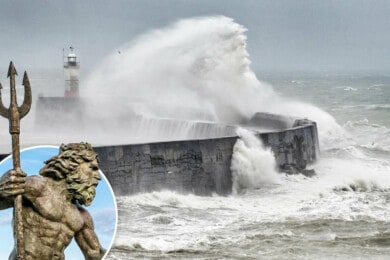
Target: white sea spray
[(252, 164)]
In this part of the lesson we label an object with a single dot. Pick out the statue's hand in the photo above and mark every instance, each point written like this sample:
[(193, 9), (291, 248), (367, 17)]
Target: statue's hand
[(12, 183)]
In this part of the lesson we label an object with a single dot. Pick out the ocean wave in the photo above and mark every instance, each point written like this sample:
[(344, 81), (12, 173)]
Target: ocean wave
[(376, 86), (138, 248), (361, 186), (350, 89), (368, 152), (379, 239), (128, 248), (173, 200), (347, 206), (366, 107), (376, 149), (370, 137), (362, 123), (345, 183)]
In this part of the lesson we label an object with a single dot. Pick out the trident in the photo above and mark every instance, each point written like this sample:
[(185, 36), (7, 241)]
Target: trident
[(15, 114)]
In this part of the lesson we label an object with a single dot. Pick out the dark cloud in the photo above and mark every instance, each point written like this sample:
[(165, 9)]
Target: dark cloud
[(296, 34)]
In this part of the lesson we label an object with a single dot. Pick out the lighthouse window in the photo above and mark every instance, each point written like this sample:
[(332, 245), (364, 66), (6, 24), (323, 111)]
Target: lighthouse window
[(72, 60)]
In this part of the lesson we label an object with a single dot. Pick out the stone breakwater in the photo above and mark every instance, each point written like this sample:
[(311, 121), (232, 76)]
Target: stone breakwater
[(201, 163), (202, 166)]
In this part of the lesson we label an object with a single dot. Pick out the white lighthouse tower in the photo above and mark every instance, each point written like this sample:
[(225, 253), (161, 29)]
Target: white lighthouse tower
[(71, 74)]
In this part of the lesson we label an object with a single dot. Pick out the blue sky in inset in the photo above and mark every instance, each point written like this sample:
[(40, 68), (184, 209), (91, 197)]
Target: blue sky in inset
[(103, 208)]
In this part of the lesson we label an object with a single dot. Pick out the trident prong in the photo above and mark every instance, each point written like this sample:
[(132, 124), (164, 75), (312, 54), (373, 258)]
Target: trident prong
[(25, 107), (14, 114), (3, 109)]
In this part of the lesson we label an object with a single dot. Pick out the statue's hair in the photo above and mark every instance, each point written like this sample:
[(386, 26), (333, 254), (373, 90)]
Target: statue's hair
[(70, 156)]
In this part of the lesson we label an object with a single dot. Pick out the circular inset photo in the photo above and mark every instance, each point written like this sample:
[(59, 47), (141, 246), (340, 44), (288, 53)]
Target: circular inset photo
[(69, 209)]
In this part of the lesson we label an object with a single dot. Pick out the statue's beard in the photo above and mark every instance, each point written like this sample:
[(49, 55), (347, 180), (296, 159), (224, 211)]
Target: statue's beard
[(81, 191), (83, 194)]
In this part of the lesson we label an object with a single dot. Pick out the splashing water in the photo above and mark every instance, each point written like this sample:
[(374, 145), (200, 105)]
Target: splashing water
[(197, 65), (252, 165), (196, 69)]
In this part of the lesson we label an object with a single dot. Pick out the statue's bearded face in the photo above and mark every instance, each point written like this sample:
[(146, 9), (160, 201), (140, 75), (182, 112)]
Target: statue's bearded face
[(84, 187)]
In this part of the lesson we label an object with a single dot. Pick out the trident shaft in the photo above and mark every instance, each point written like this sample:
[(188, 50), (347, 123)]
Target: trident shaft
[(14, 115)]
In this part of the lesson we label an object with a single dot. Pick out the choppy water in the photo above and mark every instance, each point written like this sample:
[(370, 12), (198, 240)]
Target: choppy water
[(342, 213)]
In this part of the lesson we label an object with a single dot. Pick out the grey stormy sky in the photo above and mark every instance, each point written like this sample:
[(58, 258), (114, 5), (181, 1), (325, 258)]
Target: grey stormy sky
[(282, 35)]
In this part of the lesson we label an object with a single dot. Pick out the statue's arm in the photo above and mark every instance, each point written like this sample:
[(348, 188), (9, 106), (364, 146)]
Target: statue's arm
[(87, 239), (35, 185), (12, 183)]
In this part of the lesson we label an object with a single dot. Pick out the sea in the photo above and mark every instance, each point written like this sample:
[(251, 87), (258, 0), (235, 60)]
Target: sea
[(200, 70), (341, 213)]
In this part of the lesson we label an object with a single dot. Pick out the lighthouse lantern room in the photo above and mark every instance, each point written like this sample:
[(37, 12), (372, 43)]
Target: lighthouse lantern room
[(71, 74)]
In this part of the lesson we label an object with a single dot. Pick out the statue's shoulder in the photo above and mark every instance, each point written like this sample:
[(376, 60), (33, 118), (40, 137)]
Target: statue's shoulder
[(35, 185), (35, 180)]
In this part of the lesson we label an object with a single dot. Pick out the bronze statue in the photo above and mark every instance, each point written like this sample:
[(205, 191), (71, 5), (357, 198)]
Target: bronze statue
[(52, 203), (48, 209)]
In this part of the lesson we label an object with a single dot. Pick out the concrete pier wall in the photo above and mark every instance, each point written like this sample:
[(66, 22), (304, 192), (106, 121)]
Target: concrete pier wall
[(199, 166)]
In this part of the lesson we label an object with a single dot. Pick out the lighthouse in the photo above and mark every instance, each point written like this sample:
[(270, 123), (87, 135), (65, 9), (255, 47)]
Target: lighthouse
[(71, 74)]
